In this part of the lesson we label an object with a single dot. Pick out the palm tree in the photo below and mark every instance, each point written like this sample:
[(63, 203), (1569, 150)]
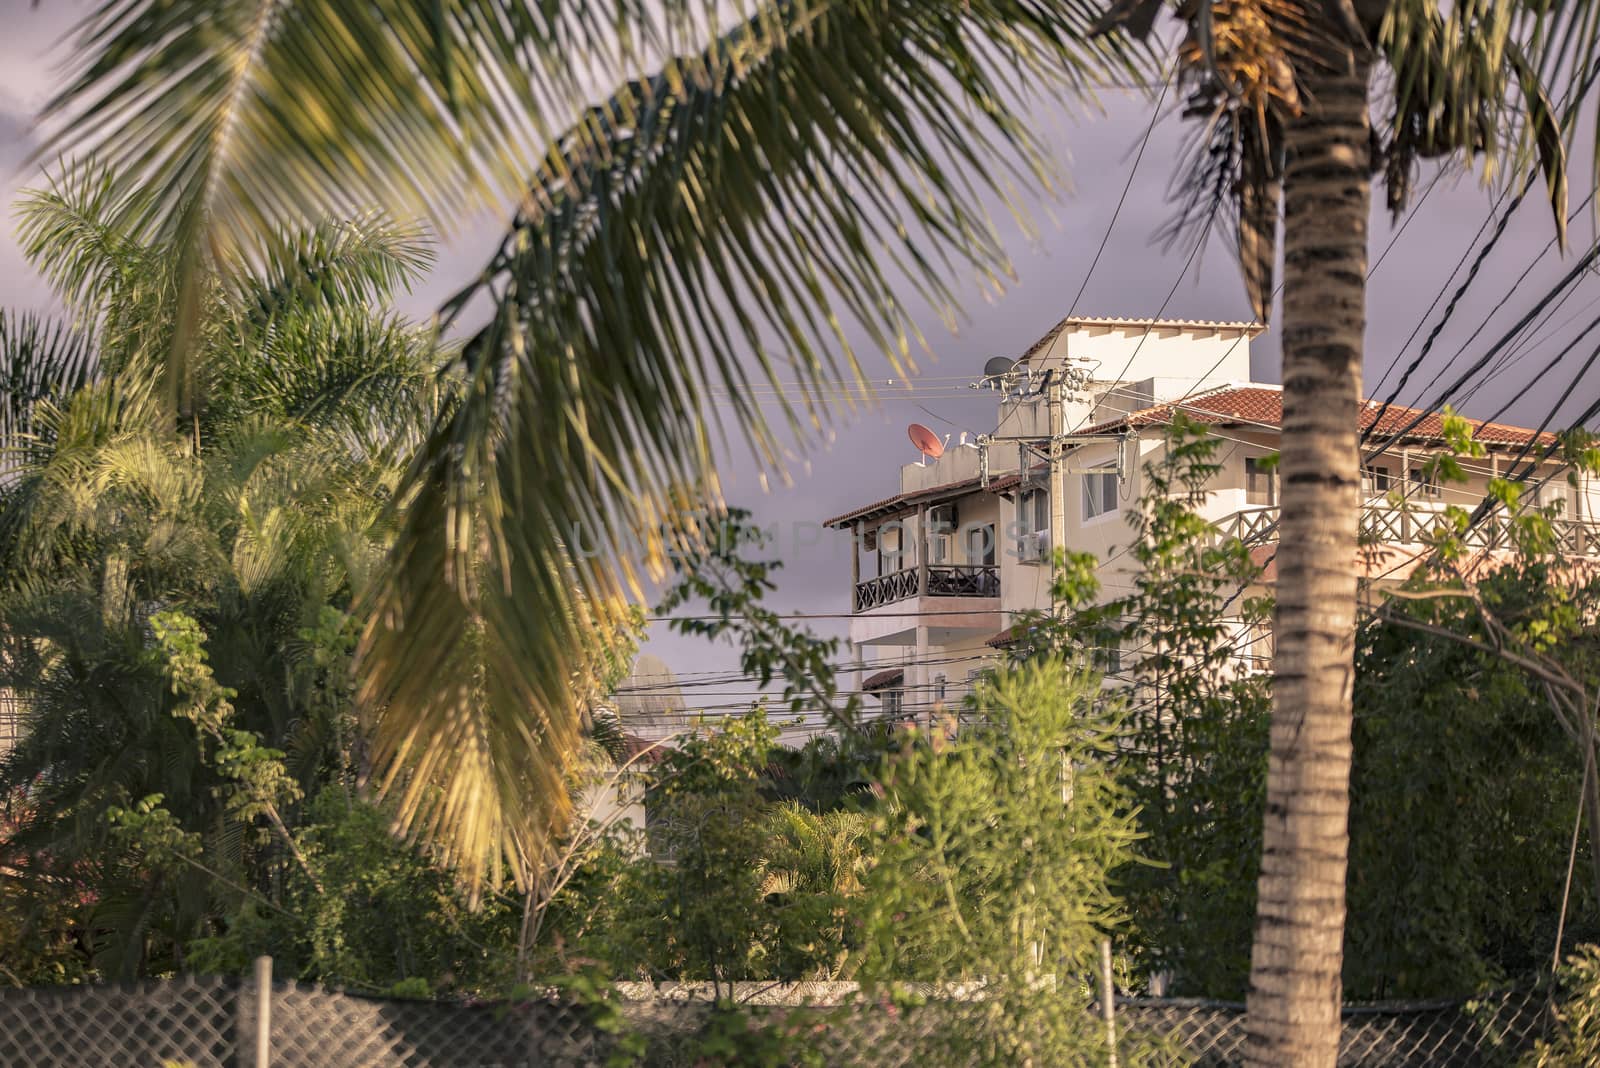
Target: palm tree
[(1286, 89), (813, 865), (766, 189), (260, 524)]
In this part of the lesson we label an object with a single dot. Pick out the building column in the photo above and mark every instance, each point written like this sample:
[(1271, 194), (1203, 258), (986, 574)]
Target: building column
[(922, 551), (855, 562), (917, 677)]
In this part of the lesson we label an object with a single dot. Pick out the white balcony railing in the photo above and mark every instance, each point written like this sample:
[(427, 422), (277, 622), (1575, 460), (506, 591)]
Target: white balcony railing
[(1382, 524)]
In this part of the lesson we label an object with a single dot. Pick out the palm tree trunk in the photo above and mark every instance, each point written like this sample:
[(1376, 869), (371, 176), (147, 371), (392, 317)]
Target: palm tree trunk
[(1297, 954)]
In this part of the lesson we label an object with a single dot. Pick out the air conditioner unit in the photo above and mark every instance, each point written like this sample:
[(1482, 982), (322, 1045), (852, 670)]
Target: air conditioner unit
[(1034, 548)]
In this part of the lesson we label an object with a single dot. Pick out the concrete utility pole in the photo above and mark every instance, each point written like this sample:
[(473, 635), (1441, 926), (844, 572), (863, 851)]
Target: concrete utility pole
[(1058, 481)]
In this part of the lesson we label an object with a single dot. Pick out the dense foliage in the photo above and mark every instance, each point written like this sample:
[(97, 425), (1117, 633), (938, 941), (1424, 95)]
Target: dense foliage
[(194, 787)]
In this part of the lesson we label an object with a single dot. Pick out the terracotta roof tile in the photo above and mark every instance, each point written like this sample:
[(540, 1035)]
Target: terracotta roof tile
[(1260, 406), (1007, 637), (643, 751), (884, 678), (890, 503), (1263, 406)]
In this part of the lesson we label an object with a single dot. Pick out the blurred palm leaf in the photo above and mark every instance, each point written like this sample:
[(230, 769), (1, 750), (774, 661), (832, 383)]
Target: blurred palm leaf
[(765, 197), (771, 194), (228, 119)]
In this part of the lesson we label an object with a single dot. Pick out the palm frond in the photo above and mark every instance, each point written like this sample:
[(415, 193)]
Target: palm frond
[(339, 264), (118, 289), (224, 120), (40, 361), (69, 231), (763, 197), (1501, 83)]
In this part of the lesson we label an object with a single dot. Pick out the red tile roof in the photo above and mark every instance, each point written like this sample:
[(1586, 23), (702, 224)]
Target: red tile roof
[(1008, 637), (639, 750), (1263, 406), (1260, 406), (889, 504), (997, 484), (884, 678)]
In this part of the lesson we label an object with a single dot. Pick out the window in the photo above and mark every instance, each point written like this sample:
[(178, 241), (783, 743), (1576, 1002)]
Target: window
[(1260, 485), (941, 533), (893, 702), (1424, 484), (1546, 494), (1258, 645), (1374, 480), (938, 688), (890, 558), (1033, 525), (980, 545), (1099, 492), (1033, 510)]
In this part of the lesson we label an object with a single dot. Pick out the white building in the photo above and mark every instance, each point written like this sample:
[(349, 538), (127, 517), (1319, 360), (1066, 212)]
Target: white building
[(944, 567)]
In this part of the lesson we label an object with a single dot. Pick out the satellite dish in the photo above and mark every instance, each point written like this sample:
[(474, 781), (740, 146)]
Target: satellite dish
[(649, 702), (997, 366), (926, 441)]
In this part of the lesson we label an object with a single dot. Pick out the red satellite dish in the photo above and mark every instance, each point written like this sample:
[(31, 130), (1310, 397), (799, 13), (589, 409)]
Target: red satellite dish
[(926, 441)]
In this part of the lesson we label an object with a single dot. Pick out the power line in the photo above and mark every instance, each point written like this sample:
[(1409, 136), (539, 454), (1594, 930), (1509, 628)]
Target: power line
[(1155, 116), (1466, 252), (1582, 265), (1505, 298)]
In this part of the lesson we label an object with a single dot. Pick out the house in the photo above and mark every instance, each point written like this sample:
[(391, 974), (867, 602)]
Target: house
[(943, 568)]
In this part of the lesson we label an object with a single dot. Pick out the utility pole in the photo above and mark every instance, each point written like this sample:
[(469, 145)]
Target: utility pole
[(1056, 413)]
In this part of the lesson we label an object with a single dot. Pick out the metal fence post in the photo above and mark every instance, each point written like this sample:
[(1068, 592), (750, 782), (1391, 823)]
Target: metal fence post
[(255, 1016), (1108, 1000)]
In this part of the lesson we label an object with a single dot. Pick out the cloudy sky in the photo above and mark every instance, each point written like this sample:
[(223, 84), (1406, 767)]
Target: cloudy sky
[(858, 461)]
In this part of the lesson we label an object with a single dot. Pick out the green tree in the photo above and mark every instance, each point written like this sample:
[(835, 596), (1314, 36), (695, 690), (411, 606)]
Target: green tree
[(812, 870), (176, 609), (1180, 655), (995, 861), (1464, 792), (1194, 762), (656, 237)]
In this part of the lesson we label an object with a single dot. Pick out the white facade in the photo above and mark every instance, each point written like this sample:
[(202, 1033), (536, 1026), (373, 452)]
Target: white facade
[(1085, 410)]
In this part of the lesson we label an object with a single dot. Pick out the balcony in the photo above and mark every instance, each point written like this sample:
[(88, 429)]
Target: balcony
[(1385, 525), (944, 580)]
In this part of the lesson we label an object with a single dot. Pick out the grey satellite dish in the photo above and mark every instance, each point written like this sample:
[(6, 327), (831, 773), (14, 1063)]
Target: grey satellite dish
[(649, 702), (998, 366)]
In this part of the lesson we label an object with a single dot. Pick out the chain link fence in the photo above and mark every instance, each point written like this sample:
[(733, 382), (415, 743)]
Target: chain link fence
[(215, 1023)]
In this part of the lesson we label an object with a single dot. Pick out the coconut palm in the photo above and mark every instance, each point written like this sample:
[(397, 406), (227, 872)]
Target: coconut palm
[(745, 201), (1286, 90)]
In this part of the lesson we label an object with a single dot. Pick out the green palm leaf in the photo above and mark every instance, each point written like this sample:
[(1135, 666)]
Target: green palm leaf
[(228, 119), (40, 360), (754, 203)]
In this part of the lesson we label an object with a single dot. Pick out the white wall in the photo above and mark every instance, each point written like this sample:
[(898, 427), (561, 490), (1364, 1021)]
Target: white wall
[(1183, 357)]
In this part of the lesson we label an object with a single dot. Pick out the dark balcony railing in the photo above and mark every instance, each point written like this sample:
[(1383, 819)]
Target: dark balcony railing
[(944, 580), (1381, 524), (886, 589), (963, 580)]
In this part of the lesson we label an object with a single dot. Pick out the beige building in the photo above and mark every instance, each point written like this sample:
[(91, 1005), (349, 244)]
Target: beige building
[(944, 567)]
